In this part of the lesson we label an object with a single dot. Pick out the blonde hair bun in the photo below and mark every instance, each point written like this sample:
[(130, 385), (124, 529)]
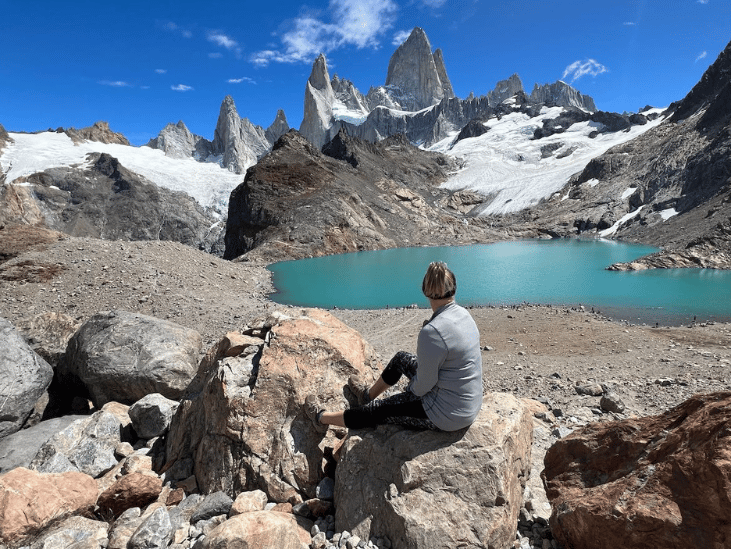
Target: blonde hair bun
[(439, 282)]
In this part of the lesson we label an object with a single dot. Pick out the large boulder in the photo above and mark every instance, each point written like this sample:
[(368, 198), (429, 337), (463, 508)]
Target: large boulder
[(74, 533), (658, 481), (431, 489), (87, 445), (261, 529), (24, 378), (29, 501), (19, 449), (122, 356), (242, 419)]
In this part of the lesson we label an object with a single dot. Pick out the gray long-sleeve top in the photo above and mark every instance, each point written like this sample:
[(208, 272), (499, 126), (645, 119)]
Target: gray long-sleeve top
[(449, 374)]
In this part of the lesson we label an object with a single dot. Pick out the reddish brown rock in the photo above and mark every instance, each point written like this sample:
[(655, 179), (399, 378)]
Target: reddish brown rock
[(243, 420), (659, 481), (30, 500), (261, 529), (134, 490)]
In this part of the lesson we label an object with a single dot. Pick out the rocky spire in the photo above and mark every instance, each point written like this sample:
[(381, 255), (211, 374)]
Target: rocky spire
[(239, 141), (319, 99), (418, 76), (442, 72), (279, 127)]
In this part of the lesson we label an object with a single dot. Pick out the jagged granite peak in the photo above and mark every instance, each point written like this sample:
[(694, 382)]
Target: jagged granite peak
[(278, 128), (319, 100), (349, 96), (560, 94), (240, 142), (413, 76), (442, 72), (177, 141), (505, 89)]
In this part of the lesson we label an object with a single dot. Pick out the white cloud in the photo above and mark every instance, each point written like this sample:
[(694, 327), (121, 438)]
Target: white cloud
[(577, 69), (161, 71), (115, 83), (629, 24), (701, 56), (224, 41), (181, 88), (358, 23), (174, 27), (240, 80), (400, 37), (703, 1), (434, 3)]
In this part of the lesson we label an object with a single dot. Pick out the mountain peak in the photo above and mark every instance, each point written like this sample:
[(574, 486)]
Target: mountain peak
[(418, 77)]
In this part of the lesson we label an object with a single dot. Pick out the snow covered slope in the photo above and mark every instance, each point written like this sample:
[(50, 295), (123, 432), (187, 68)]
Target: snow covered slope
[(208, 183), (506, 163)]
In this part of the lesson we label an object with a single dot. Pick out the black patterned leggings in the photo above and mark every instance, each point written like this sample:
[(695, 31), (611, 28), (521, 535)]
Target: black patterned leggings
[(400, 409)]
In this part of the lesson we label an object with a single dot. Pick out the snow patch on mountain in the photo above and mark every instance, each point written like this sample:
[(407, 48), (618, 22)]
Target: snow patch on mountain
[(208, 183), (507, 164)]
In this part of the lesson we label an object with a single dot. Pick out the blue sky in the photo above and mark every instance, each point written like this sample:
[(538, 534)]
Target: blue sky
[(139, 65)]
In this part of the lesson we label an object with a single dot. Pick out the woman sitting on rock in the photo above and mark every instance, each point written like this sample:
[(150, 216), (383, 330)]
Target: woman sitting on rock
[(445, 388)]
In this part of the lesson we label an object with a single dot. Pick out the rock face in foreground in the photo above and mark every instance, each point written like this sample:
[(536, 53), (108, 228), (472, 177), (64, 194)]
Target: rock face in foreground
[(438, 490), (24, 377), (661, 481), (242, 419), (122, 356)]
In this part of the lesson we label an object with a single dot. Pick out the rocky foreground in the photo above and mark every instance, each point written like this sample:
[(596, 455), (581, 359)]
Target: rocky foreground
[(580, 371)]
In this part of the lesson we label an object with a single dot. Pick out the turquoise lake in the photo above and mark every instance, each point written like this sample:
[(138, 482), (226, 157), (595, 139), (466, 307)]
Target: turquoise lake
[(566, 272)]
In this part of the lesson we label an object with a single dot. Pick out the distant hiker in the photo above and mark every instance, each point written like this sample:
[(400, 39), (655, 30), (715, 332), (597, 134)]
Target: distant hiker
[(445, 387)]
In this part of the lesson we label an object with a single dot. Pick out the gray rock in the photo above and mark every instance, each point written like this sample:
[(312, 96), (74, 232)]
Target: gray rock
[(560, 94), (318, 118), (611, 402), (176, 141), (217, 503), (88, 444), (76, 532), (402, 484), (278, 128), (124, 527), (151, 415), (19, 449), (413, 78), (326, 489), (240, 142), (589, 389), (24, 378), (155, 532), (122, 356)]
